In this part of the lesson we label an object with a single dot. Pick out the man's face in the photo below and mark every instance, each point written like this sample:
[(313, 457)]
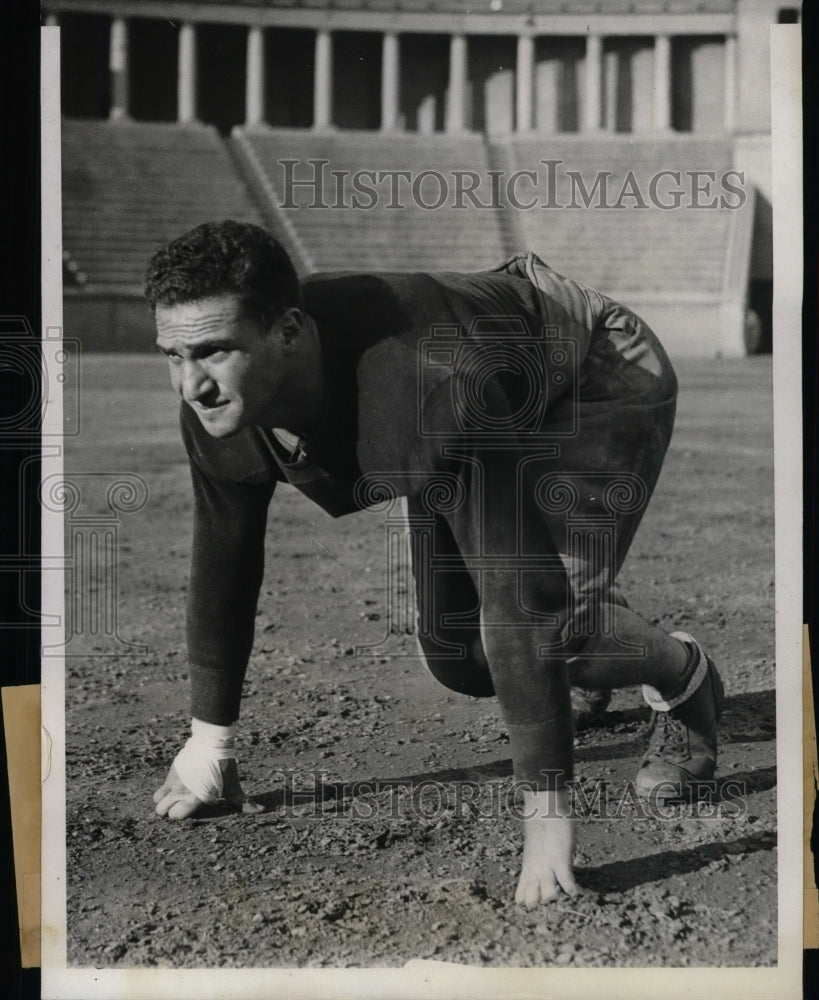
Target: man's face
[(225, 364)]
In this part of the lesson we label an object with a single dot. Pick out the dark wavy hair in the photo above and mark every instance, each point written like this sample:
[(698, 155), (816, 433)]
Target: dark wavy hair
[(225, 258)]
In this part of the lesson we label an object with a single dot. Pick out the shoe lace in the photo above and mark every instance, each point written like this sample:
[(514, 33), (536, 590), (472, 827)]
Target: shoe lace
[(669, 737)]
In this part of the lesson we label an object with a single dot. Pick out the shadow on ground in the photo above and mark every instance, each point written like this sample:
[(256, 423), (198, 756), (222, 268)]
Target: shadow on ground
[(620, 876)]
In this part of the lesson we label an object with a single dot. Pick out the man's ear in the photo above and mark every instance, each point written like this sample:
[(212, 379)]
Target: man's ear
[(290, 323)]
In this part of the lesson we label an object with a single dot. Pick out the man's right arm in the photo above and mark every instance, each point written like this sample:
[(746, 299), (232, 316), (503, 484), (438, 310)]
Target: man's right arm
[(227, 565)]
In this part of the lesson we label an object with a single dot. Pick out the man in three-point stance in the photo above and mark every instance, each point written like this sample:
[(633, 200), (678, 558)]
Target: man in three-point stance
[(525, 414)]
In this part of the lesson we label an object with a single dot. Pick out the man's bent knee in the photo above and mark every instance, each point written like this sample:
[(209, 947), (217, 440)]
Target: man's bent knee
[(465, 671)]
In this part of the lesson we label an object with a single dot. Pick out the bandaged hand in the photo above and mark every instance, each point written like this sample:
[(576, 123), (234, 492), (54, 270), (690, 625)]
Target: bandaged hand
[(204, 771)]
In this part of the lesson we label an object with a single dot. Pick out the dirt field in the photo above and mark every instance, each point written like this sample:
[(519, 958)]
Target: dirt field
[(423, 864)]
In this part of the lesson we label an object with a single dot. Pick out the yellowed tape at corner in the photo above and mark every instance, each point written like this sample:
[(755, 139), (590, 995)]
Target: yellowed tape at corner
[(810, 771), (21, 720)]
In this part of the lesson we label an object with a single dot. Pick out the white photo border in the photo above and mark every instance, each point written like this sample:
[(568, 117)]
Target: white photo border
[(430, 979)]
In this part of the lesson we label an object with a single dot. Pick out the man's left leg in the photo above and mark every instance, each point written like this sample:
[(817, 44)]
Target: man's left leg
[(608, 644), (681, 685)]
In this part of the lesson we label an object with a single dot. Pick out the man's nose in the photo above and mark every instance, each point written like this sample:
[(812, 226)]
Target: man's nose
[(195, 381)]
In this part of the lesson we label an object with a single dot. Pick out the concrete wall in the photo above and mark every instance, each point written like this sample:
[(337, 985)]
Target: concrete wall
[(708, 78), (109, 322), (754, 18), (693, 329)]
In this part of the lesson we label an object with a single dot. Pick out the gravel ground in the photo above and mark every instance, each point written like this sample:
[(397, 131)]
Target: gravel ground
[(389, 829)]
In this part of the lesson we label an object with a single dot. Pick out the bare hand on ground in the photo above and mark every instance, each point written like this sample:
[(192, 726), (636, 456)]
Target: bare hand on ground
[(548, 849)]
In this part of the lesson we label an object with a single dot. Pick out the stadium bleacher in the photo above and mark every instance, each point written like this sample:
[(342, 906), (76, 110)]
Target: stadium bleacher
[(408, 238), (130, 187), (639, 245)]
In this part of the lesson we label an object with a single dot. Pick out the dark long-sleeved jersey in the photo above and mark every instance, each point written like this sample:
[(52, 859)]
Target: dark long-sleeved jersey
[(434, 382)]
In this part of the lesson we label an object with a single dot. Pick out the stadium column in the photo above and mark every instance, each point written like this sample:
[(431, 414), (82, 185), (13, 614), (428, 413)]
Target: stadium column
[(661, 106), (323, 80), (593, 77), (118, 66), (457, 84), (390, 75), (525, 76), (254, 81), (730, 81), (186, 82)]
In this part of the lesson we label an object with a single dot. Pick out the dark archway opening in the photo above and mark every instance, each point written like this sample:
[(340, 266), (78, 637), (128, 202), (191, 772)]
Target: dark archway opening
[(221, 56), (153, 48), (289, 57), (424, 78), (357, 79), (85, 41)]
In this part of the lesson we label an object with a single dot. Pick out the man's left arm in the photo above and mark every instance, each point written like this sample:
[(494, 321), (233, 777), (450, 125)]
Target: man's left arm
[(532, 689)]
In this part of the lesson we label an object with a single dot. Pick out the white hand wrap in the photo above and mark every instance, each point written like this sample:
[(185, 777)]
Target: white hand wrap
[(197, 763)]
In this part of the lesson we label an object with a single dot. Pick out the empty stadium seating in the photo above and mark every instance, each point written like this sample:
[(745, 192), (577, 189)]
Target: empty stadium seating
[(130, 187), (377, 237), (639, 245)]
